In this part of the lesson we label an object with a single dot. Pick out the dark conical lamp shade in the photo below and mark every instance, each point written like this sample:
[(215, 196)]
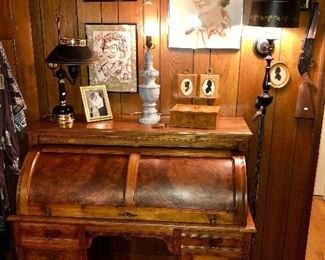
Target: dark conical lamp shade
[(71, 52), (269, 13)]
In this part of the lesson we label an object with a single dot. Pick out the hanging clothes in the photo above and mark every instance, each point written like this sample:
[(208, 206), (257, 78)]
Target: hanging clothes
[(12, 120)]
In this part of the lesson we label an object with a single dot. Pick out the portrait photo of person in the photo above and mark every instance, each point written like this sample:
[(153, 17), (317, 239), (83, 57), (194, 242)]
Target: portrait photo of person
[(115, 47), (96, 103)]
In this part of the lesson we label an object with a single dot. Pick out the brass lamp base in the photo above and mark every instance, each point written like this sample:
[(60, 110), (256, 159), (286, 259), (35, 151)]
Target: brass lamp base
[(63, 114)]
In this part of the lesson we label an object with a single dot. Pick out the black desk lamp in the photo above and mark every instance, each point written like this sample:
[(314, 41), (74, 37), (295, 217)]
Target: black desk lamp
[(268, 13), (72, 53)]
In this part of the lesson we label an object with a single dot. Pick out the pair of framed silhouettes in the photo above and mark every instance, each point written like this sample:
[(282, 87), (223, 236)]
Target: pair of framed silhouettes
[(198, 86)]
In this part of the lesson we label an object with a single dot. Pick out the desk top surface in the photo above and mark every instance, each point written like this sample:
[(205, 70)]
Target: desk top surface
[(224, 126), (229, 132)]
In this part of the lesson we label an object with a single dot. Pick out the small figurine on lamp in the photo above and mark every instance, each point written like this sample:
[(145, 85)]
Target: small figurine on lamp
[(150, 90)]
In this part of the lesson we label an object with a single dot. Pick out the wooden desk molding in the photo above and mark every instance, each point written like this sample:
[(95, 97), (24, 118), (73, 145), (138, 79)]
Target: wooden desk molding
[(184, 186)]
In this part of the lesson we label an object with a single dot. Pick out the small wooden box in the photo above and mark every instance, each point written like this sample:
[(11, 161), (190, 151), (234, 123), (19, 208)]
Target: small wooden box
[(194, 116)]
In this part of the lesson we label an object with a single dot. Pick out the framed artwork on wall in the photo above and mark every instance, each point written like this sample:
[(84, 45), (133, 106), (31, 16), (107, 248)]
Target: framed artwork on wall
[(116, 47), (96, 103), (208, 24)]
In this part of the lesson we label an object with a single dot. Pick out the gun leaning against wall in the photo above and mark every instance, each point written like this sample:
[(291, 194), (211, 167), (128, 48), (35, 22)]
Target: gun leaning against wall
[(304, 106)]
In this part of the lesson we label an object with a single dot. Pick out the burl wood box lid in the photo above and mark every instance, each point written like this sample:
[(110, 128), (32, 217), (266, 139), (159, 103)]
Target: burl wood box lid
[(115, 184), (194, 116)]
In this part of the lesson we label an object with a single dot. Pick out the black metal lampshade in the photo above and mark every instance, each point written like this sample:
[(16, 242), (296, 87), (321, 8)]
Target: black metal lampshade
[(71, 52), (273, 13)]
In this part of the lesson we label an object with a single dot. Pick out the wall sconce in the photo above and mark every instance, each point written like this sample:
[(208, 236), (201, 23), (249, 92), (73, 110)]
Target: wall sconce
[(149, 91), (72, 53), (267, 13)]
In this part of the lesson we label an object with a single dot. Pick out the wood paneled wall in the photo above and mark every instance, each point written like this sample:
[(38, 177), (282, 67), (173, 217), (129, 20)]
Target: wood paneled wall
[(286, 178)]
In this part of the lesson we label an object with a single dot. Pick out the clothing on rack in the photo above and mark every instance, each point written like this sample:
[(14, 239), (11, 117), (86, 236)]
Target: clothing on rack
[(12, 120)]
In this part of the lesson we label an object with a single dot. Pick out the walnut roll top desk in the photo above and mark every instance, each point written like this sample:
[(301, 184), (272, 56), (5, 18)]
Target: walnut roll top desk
[(184, 186)]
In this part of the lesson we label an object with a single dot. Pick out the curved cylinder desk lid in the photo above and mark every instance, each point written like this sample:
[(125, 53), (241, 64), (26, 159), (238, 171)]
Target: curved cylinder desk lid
[(81, 183)]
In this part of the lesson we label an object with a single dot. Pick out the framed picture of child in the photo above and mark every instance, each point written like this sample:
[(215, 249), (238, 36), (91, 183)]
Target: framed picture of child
[(96, 103)]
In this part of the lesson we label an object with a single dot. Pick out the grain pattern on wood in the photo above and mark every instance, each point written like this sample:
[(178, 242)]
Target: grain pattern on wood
[(303, 172), (174, 61), (40, 67), (251, 74), (201, 66), (110, 14), (87, 13), (226, 65), (283, 138), (16, 26), (316, 240), (130, 12), (237, 97)]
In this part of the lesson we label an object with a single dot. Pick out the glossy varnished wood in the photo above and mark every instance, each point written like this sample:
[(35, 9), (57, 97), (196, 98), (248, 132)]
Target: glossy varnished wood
[(316, 240), (16, 36), (241, 74), (231, 132), (184, 186)]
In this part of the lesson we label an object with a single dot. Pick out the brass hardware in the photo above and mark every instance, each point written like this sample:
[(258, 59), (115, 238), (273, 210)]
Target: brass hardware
[(212, 219), (47, 212), (53, 256), (127, 215), (49, 234)]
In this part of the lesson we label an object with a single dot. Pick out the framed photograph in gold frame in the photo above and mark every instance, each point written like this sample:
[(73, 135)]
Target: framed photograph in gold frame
[(96, 103)]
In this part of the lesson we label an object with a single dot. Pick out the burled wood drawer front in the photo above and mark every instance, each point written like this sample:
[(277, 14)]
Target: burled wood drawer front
[(30, 254), (217, 244), (49, 231), (49, 235)]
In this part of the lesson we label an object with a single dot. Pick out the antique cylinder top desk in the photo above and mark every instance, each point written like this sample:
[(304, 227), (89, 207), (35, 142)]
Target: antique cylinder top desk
[(184, 186)]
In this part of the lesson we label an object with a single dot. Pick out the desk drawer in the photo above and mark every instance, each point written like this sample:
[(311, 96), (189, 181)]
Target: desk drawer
[(49, 231), (30, 254)]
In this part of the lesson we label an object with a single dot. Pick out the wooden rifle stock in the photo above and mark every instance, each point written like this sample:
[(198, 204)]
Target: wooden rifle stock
[(304, 106)]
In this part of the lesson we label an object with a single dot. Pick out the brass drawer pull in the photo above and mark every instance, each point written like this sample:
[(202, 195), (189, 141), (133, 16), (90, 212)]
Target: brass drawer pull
[(49, 234), (47, 212), (212, 219), (127, 215)]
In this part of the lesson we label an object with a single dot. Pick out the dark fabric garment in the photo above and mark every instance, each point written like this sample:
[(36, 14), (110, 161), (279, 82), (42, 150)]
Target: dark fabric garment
[(12, 120)]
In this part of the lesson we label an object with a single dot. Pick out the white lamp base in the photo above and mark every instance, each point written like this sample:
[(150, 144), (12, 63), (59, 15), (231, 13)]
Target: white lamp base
[(149, 92)]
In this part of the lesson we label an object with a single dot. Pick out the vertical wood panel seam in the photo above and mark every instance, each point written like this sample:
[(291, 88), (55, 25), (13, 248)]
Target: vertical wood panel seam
[(43, 46), (76, 4), (101, 12), (287, 206), (160, 64), (238, 74)]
